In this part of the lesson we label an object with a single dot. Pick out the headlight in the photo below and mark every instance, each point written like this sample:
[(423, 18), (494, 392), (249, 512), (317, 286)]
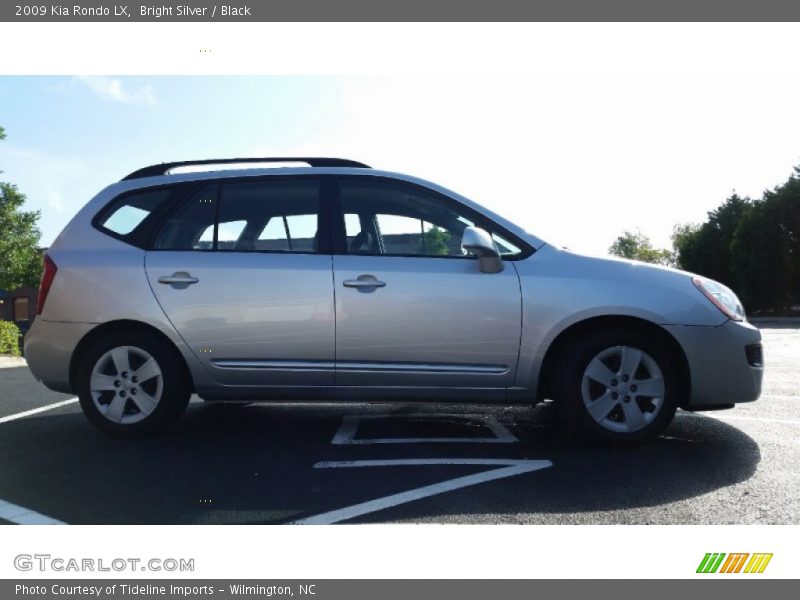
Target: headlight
[(721, 296)]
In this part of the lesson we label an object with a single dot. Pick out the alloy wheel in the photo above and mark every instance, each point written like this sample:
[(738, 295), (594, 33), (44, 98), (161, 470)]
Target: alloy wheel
[(623, 389), (126, 384)]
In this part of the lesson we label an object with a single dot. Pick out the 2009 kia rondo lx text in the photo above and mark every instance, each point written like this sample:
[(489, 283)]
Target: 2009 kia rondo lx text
[(327, 279)]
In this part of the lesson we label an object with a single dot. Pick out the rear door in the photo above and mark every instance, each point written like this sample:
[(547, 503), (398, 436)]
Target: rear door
[(243, 271), (412, 310)]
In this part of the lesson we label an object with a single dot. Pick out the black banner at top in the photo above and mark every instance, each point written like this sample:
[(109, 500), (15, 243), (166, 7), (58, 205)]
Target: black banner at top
[(401, 10)]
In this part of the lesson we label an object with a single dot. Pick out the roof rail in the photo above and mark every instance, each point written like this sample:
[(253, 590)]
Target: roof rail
[(164, 168)]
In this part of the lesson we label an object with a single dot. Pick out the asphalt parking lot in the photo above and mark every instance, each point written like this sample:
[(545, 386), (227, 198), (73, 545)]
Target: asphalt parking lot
[(356, 463)]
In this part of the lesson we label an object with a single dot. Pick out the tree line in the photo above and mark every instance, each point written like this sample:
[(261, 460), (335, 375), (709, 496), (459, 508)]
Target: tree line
[(20, 258), (750, 245)]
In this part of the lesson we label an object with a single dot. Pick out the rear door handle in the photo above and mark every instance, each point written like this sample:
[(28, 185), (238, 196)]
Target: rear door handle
[(364, 281), (178, 278)]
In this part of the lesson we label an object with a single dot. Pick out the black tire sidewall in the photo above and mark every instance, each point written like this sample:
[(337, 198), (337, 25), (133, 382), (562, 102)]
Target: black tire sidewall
[(570, 375), (174, 397)]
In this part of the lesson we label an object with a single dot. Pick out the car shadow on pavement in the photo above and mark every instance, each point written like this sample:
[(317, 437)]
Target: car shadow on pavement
[(255, 464)]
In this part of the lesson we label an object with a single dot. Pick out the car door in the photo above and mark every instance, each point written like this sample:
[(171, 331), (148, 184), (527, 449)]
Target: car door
[(243, 271), (412, 310)]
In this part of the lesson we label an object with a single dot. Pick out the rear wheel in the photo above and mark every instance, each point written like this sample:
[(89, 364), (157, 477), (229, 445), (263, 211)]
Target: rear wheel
[(131, 383), (617, 386)]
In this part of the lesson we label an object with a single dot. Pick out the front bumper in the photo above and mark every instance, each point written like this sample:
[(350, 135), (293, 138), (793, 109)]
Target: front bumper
[(720, 363), (48, 349)]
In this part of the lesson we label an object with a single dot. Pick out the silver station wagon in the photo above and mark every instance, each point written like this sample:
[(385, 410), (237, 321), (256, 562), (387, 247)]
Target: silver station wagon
[(319, 279)]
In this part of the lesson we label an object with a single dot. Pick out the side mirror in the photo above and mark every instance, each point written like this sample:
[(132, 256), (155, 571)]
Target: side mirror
[(478, 242)]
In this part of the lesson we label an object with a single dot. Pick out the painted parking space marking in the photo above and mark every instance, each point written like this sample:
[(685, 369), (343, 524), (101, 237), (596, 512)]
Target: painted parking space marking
[(346, 434), (25, 516), (507, 468), (36, 411)]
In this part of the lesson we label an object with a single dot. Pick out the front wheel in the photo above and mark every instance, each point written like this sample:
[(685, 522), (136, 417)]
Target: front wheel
[(132, 384), (617, 386)]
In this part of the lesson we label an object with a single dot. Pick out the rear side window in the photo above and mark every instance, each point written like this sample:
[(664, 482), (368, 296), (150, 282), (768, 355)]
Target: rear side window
[(129, 211), (289, 233), (193, 226), (280, 215)]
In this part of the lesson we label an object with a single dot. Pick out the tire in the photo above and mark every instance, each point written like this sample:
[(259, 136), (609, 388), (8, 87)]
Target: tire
[(617, 386), (132, 383)]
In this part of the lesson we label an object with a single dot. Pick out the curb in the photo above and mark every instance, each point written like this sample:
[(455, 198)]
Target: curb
[(7, 362)]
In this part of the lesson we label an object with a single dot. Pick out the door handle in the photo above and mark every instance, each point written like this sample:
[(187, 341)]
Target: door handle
[(358, 283), (179, 278), (364, 281)]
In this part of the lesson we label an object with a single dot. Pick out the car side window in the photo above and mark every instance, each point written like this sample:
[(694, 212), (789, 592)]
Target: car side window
[(289, 233), (192, 227), (127, 213), (505, 247), (392, 219), (280, 215)]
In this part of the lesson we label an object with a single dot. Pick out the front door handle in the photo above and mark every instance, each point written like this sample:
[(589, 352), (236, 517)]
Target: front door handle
[(364, 282), (179, 278)]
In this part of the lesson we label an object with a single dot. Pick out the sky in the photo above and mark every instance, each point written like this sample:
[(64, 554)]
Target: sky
[(575, 160)]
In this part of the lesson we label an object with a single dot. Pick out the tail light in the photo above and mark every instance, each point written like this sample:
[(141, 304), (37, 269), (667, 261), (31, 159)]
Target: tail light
[(48, 275)]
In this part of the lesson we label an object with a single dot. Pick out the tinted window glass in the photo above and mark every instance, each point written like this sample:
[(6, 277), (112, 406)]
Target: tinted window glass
[(388, 218), (229, 233), (270, 216), (192, 226), (360, 237), (128, 212), (275, 235), (505, 247)]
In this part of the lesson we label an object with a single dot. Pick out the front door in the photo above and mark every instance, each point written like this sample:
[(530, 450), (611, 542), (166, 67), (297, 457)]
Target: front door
[(412, 310), (239, 273)]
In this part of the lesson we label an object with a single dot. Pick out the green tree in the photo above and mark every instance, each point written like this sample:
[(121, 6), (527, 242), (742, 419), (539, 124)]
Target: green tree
[(756, 260), (435, 242), (684, 245), (637, 246), (20, 259), (753, 246), (706, 248), (765, 250)]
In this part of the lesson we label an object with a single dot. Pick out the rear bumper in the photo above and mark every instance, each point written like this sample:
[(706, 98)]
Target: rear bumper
[(720, 363), (48, 348)]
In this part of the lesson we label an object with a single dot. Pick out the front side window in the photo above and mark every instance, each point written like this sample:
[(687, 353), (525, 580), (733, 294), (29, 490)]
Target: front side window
[(393, 219), (505, 247), (262, 216)]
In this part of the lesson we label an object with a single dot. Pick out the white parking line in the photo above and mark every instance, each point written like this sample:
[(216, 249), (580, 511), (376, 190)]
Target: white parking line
[(508, 468), (35, 411), (24, 516), (347, 432)]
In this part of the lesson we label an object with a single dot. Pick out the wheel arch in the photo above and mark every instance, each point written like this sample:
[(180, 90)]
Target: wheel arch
[(561, 343), (116, 327)]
